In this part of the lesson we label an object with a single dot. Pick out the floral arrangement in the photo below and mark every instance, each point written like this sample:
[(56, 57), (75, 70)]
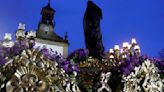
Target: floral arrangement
[(122, 63), (79, 55), (26, 68)]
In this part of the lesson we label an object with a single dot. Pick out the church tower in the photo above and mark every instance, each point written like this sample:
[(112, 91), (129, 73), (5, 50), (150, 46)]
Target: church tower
[(46, 24), (45, 35)]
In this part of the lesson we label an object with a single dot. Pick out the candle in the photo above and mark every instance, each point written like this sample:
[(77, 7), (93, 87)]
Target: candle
[(136, 47), (125, 44), (116, 47), (133, 41), (129, 46), (111, 51)]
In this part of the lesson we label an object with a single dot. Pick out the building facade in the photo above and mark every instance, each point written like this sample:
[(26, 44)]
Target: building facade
[(45, 35)]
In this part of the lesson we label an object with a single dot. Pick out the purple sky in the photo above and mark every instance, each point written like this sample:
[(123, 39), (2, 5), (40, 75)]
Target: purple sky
[(122, 20)]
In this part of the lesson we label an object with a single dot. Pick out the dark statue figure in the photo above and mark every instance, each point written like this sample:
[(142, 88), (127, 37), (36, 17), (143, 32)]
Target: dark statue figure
[(92, 32)]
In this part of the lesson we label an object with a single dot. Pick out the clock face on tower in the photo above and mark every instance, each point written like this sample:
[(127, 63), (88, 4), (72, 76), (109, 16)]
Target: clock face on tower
[(46, 28)]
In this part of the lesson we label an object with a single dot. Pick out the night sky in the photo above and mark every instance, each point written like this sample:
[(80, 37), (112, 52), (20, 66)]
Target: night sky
[(122, 20)]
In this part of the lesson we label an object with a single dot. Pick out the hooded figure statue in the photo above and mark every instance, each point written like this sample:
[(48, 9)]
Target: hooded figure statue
[(92, 32)]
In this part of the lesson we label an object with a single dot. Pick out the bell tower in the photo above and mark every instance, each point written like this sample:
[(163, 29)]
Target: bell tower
[(45, 34), (47, 14), (46, 24)]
